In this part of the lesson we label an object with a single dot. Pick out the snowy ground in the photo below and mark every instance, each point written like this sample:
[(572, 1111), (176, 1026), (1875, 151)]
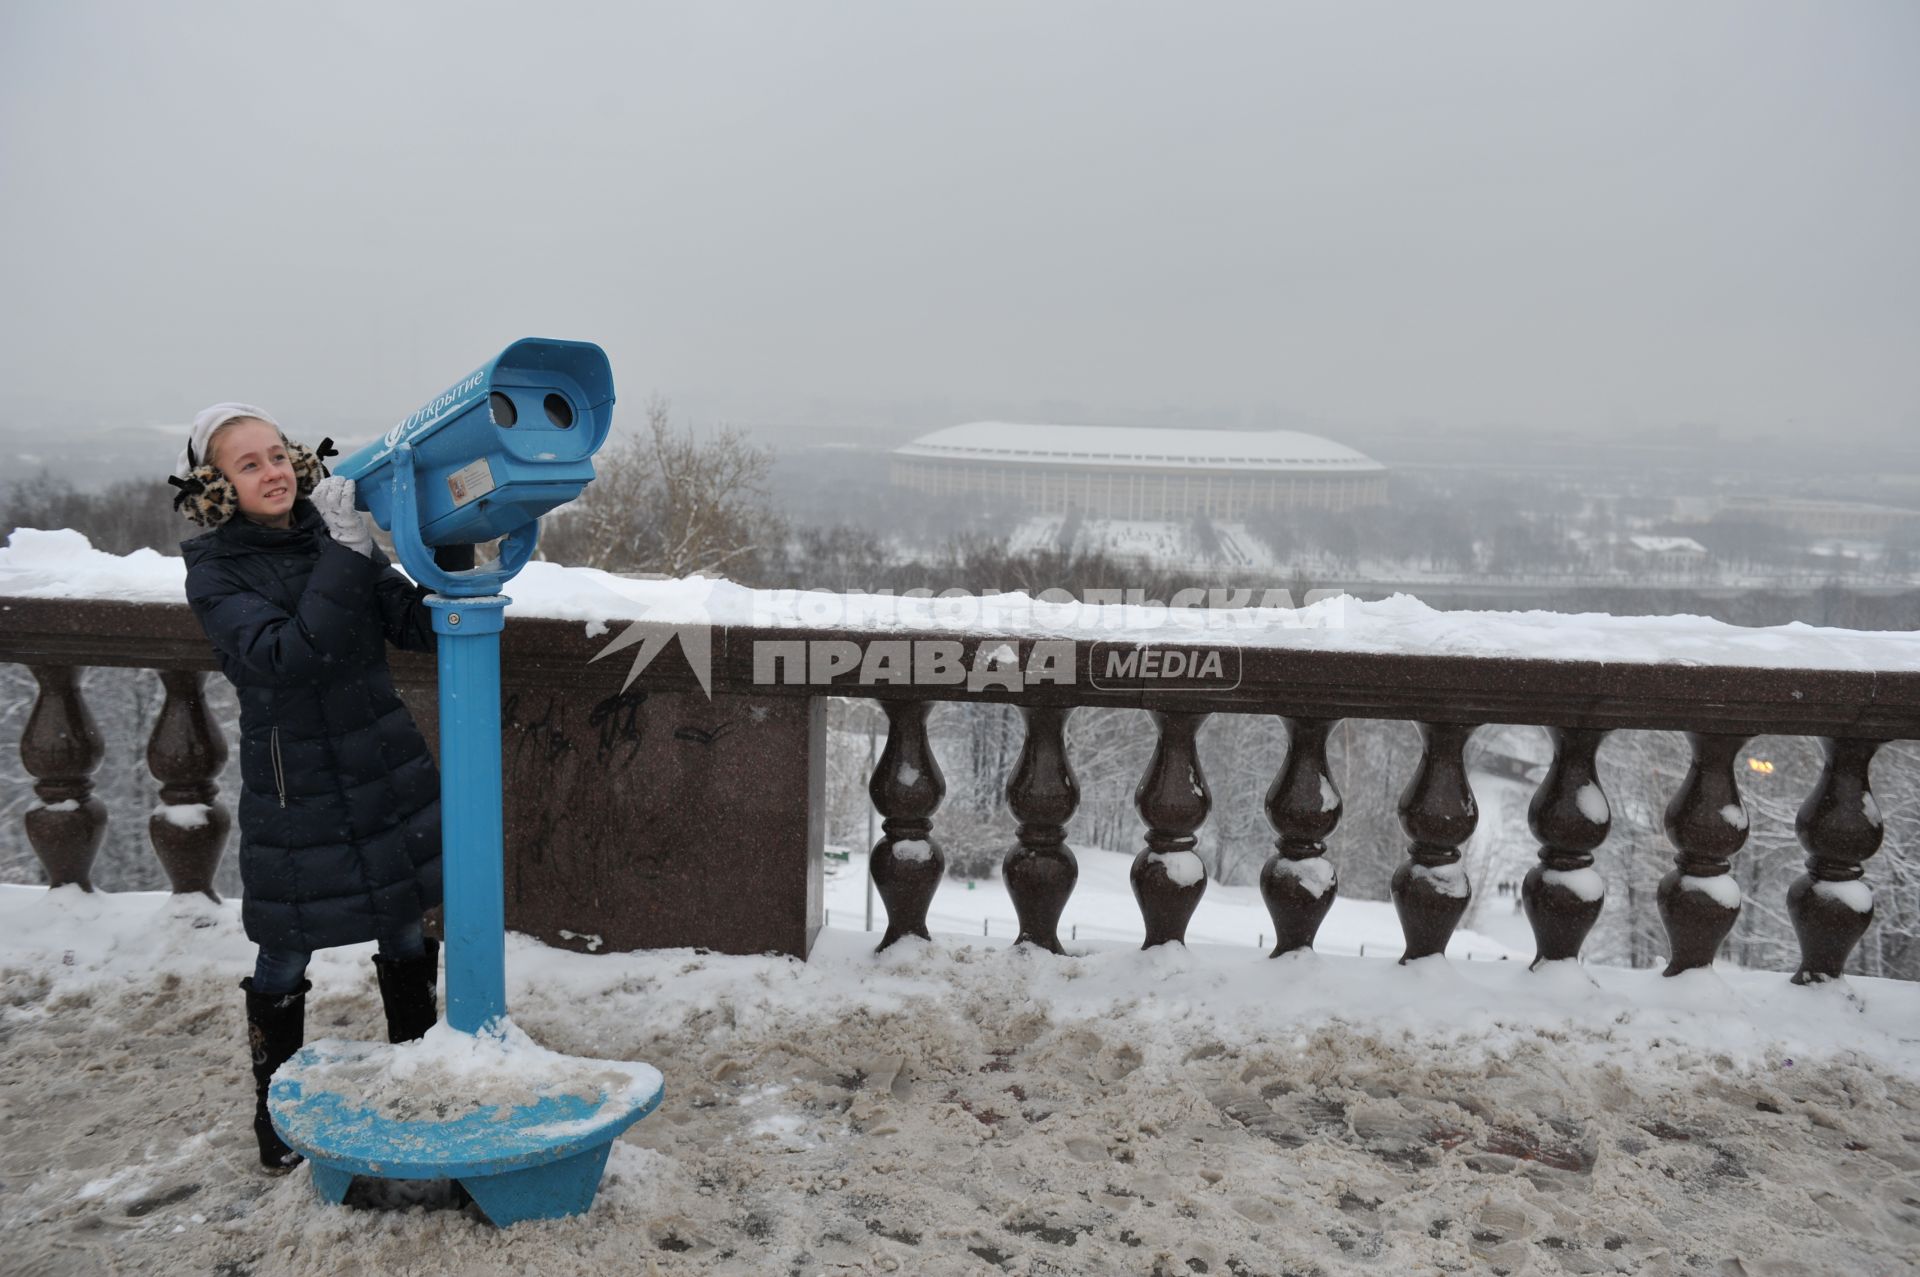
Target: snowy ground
[(962, 1108)]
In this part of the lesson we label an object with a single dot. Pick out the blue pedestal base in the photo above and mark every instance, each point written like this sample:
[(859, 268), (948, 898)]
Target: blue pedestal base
[(536, 1161)]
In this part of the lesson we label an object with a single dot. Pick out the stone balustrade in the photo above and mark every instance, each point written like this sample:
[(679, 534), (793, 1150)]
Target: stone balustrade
[(655, 815)]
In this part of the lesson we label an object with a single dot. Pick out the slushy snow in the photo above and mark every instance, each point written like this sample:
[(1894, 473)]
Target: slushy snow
[(959, 1107)]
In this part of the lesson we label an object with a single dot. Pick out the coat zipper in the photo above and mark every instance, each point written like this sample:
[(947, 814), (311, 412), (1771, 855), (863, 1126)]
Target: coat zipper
[(279, 774)]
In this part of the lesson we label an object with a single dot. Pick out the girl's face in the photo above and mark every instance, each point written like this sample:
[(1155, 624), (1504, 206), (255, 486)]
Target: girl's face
[(254, 458)]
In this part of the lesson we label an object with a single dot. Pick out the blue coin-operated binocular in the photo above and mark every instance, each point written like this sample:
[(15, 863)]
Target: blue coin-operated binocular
[(486, 458)]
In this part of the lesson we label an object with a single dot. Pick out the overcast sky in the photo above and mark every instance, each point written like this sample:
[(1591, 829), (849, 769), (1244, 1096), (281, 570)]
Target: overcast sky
[(1594, 215)]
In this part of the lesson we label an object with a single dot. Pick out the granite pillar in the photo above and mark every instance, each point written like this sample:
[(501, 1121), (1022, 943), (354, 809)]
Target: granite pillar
[(660, 819)]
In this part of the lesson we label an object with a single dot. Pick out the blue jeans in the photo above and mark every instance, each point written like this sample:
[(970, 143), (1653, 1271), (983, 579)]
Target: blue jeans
[(282, 970)]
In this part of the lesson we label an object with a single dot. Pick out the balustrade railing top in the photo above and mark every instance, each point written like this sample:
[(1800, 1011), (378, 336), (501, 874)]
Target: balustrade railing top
[(1635, 673)]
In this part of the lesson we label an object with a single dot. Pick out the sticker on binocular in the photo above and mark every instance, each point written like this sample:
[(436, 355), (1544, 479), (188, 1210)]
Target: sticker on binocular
[(475, 479)]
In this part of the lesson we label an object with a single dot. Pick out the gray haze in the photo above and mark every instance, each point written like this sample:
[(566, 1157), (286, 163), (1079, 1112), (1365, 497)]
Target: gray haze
[(1602, 216)]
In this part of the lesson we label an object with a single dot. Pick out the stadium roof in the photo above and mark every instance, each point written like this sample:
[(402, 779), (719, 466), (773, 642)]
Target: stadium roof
[(1148, 447)]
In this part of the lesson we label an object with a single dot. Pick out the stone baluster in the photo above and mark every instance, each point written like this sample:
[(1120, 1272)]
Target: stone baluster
[(1298, 882), (185, 754), (1706, 823), (906, 788), (1563, 894), (1042, 794), (1839, 825), (60, 748), (1430, 888), (1168, 877)]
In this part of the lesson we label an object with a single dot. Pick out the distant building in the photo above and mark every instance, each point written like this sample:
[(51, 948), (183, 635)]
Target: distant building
[(1822, 518), (1673, 554), (1133, 472)]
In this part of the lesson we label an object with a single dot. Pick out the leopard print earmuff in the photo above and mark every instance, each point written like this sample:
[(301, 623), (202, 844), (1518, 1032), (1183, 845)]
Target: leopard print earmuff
[(208, 498), (309, 464)]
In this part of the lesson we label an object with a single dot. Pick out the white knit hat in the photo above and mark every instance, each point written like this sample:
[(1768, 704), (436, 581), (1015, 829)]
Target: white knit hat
[(208, 421)]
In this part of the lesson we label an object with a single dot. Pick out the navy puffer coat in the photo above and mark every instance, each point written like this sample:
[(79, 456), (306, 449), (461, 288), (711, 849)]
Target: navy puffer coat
[(340, 800)]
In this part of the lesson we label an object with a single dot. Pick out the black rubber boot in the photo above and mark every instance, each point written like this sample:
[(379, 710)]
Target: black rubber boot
[(407, 992), (276, 1028)]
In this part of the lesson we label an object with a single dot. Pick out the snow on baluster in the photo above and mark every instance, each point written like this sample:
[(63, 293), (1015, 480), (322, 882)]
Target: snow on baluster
[(1042, 794), (1168, 879), (1563, 895), (1437, 809), (906, 788), (1831, 904), (1707, 824), (1298, 882)]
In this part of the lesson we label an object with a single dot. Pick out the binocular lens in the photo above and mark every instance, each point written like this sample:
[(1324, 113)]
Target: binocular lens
[(559, 411), (503, 409)]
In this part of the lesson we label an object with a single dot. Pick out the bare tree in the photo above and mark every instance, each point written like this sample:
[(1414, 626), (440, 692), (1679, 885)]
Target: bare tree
[(122, 517), (667, 501)]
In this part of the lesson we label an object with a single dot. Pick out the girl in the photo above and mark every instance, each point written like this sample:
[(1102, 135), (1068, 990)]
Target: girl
[(340, 801)]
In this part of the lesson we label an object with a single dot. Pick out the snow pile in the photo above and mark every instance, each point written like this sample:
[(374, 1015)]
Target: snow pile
[(959, 1108), (447, 1075), (62, 564)]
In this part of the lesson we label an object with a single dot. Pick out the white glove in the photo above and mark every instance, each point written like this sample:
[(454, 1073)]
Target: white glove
[(333, 498)]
